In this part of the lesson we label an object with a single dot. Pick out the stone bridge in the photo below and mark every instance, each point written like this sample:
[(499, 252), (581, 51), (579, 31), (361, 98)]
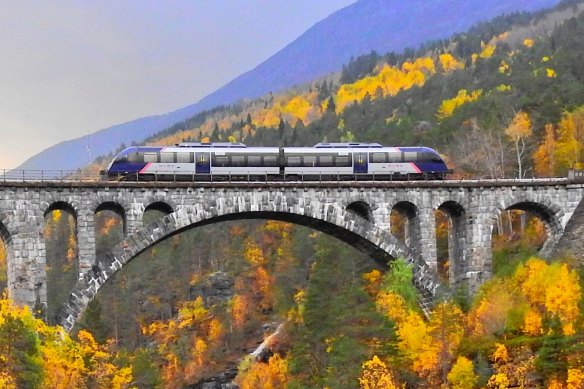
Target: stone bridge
[(356, 212)]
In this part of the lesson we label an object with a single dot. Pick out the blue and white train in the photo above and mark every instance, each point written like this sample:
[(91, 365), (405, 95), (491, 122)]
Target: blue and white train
[(237, 162)]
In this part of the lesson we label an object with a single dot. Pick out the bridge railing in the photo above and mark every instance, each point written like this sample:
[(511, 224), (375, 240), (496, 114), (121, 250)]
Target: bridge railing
[(16, 175)]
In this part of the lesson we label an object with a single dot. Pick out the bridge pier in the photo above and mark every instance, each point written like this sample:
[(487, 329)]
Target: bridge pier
[(27, 275), (85, 240)]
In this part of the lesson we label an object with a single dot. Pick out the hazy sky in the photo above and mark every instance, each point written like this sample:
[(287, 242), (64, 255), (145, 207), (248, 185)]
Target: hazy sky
[(72, 67)]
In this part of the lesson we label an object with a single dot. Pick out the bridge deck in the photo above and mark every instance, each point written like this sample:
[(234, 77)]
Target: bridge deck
[(539, 182)]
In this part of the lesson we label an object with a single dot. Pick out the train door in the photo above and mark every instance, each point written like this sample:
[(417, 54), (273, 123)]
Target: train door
[(203, 163), (360, 163)]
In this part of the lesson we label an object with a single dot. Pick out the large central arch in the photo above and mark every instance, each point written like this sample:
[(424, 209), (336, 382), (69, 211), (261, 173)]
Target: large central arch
[(332, 219)]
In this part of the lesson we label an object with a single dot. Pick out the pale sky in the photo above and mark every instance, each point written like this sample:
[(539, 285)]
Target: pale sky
[(69, 68)]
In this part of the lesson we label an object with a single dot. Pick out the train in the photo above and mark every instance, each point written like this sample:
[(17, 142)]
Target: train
[(216, 161)]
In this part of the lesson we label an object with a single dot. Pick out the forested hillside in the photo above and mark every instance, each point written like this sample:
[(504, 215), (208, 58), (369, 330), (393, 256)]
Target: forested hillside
[(505, 99), (366, 25)]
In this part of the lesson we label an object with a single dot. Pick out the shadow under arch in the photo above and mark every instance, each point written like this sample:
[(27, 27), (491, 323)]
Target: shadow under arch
[(408, 212), (361, 209), (333, 220), (456, 239), (116, 208), (549, 213), (6, 242)]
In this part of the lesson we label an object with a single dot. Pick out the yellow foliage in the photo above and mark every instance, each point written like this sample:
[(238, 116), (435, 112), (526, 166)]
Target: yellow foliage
[(520, 127), (528, 42), (448, 106), (553, 287), (504, 67), (500, 355), (253, 253), (462, 375), (503, 88), (192, 313), (298, 107), (376, 375), (550, 73), (532, 323), (392, 305), (388, 81), (372, 279), (575, 379), (498, 381), (488, 50)]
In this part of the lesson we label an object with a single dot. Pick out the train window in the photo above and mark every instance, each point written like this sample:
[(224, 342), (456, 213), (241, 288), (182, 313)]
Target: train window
[(136, 157), (220, 160), (166, 157), (428, 157), (394, 157), (325, 160), (343, 160), (378, 157), (237, 160), (150, 157), (410, 156), (293, 161), (184, 157), (254, 160), (270, 160), (309, 160)]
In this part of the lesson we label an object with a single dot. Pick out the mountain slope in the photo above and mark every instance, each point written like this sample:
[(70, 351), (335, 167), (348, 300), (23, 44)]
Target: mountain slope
[(381, 25)]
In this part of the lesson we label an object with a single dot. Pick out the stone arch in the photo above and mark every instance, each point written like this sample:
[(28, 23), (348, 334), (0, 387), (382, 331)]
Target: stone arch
[(71, 207), (457, 244), (161, 206), (410, 213), (361, 209), (116, 208), (329, 218), (540, 205)]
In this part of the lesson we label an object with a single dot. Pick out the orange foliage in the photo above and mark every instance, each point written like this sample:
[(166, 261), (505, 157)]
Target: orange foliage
[(271, 375), (543, 157)]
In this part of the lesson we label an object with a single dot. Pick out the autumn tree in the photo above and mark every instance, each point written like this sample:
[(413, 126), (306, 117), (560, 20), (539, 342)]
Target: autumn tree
[(544, 161), (519, 129), (376, 375), (462, 375)]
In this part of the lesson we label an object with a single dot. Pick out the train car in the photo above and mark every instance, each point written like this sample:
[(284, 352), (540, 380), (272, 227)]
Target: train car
[(195, 161), (236, 161), (366, 161)]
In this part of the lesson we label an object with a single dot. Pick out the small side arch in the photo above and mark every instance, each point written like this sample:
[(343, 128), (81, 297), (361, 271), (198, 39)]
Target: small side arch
[(457, 244), (116, 208), (549, 213), (408, 214), (361, 209)]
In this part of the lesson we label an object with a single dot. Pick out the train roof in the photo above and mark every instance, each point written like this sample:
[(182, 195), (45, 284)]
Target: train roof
[(346, 145), (211, 144)]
